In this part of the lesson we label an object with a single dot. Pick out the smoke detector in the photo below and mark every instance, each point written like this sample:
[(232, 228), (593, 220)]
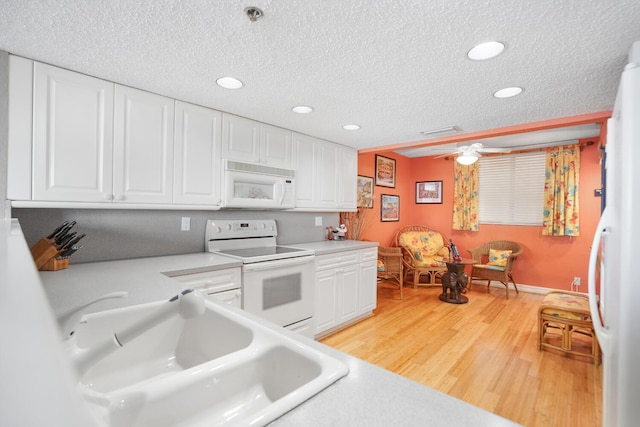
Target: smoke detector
[(253, 13)]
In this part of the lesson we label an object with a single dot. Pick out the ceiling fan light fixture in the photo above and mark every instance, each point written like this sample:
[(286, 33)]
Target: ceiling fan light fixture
[(467, 158), (486, 50)]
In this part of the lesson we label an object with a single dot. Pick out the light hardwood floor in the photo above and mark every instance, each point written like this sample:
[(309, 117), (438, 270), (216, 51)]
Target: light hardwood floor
[(484, 352)]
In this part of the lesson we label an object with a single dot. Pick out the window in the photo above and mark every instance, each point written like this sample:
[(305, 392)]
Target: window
[(512, 189)]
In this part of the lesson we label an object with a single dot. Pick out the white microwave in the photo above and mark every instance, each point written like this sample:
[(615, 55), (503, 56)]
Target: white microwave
[(257, 187)]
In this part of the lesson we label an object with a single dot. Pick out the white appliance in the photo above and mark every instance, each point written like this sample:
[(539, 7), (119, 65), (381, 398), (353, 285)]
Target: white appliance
[(277, 281), (617, 316), (257, 187), (223, 285)]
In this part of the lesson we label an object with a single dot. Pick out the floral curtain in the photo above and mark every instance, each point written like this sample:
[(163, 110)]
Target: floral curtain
[(561, 207), (465, 197)]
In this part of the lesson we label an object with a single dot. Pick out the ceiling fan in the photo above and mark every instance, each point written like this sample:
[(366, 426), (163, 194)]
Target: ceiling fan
[(469, 154)]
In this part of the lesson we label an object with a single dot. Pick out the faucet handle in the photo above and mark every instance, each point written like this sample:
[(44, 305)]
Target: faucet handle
[(69, 321)]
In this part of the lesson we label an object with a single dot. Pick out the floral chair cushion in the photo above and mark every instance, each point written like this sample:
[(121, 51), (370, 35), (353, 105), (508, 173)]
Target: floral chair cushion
[(569, 304), (498, 258), (427, 247)]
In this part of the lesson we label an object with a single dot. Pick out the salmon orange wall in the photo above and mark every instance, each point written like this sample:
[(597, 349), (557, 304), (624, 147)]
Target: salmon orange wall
[(550, 262)]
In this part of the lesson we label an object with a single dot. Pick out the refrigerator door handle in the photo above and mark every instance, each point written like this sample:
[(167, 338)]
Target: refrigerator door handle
[(598, 325)]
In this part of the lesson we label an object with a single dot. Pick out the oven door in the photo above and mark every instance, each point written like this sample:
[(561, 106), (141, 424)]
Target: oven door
[(280, 291)]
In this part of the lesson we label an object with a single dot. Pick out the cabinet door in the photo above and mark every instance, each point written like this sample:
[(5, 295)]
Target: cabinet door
[(197, 172), (275, 146), (143, 146), (325, 313), (348, 292), (240, 139), (306, 167), (327, 175), (348, 178), (73, 139), (367, 293)]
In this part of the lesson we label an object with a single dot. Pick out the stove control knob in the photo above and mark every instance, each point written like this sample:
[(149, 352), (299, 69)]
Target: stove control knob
[(218, 229), (229, 226)]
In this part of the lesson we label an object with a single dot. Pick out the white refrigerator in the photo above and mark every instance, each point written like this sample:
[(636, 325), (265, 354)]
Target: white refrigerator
[(613, 256)]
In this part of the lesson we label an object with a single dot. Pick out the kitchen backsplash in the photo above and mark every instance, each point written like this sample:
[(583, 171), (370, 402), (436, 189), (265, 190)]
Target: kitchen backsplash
[(122, 234)]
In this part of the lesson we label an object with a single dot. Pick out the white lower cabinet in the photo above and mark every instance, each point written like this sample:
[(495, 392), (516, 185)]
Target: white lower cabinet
[(345, 289)]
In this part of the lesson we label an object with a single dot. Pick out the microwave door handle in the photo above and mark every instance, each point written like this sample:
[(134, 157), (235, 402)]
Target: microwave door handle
[(281, 191)]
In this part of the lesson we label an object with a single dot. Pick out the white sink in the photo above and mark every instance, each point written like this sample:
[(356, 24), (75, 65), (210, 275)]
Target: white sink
[(219, 369)]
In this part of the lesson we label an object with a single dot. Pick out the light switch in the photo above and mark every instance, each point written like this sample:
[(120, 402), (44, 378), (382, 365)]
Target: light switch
[(186, 223), (318, 221)]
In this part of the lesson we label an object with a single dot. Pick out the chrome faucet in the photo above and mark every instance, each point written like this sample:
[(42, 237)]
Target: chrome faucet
[(190, 304)]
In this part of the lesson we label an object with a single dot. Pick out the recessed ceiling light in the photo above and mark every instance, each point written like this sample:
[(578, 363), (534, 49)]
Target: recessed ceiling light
[(486, 51), (351, 127), (302, 109), (229, 83), (508, 92)]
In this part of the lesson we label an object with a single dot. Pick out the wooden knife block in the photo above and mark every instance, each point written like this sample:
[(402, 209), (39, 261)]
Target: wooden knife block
[(45, 255)]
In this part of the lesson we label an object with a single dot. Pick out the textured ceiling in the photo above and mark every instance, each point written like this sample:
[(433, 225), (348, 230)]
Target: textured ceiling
[(396, 68)]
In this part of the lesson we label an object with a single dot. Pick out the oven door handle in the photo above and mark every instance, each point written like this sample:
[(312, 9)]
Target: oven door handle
[(269, 265)]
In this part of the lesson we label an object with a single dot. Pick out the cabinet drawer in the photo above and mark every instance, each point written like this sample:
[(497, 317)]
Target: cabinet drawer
[(212, 281), (368, 254), (336, 260)]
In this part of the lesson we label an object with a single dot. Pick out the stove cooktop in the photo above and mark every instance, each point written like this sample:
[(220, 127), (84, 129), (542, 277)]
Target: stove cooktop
[(255, 252), (264, 253)]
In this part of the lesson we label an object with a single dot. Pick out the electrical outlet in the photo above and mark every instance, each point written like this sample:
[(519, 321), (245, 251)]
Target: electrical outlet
[(576, 281), (318, 221), (185, 225)]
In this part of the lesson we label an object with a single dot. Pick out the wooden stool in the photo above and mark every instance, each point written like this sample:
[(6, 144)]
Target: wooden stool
[(568, 312)]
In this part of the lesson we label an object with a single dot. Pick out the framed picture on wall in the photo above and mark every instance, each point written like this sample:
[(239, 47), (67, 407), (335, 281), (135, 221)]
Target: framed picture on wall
[(389, 208), (429, 192), (365, 192), (385, 172)]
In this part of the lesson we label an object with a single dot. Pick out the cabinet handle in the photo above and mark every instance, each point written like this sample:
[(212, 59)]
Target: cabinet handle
[(108, 196)]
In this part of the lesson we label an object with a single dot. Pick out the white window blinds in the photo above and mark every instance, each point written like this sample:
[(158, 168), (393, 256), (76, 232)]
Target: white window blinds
[(512, 189)]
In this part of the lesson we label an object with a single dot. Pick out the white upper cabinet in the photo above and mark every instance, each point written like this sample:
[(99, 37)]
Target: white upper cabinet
[(306, 166), (325, 174), (143, 147), (348, 177), (197, 173), (82, 140), (328, 175), (72, 138), (248, 141)]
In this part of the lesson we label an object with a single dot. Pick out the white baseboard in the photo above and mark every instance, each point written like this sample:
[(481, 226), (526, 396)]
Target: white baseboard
[(521, 287)]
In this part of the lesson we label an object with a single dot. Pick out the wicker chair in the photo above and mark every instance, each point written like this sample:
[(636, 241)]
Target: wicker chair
[(428, 260), (489, 270), (390, 265)]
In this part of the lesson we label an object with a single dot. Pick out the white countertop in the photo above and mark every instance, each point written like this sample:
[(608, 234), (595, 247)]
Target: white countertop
[(367, 396), (331, 246), (146, 279)]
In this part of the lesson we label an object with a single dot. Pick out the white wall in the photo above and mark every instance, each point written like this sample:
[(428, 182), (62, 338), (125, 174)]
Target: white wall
[(4, 132)]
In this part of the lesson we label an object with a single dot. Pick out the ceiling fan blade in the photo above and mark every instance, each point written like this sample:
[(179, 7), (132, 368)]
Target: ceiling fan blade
[(444, 155), (495, 150)]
